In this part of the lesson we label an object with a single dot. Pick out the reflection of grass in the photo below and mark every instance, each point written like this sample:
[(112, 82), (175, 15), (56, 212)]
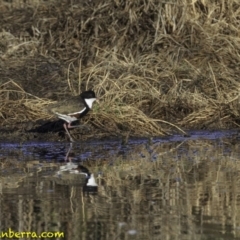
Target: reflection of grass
[(195, 184), (155, 66), (197, 174)]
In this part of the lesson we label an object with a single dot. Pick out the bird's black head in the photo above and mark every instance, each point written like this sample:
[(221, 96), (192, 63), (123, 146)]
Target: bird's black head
[(88, 94)]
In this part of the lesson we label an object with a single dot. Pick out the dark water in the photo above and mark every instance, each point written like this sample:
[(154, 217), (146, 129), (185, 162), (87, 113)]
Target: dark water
[(168, 188)]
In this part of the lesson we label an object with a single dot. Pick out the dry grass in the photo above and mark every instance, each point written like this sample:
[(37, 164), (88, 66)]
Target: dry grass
[(17, 105), (157, 66)]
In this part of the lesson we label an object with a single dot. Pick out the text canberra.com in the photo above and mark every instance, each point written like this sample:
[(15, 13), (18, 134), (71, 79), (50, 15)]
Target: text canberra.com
[(12, 234)]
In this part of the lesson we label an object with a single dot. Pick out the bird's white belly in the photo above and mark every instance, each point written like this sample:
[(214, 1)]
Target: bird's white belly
[(69, 117), (66, 118)]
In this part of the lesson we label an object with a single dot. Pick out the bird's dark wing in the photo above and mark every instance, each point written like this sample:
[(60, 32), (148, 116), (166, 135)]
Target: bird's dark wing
[(70, 105)]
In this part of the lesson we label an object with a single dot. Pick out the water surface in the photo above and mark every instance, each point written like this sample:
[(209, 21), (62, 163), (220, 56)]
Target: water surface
[(163, 188)]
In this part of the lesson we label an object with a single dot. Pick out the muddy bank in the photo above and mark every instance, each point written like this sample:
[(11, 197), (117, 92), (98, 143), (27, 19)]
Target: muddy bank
[(51, 131)]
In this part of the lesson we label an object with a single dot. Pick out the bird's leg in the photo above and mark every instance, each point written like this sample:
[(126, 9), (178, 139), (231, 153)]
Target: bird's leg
[(66, 126), (66, 129), (69, 150), (70, 126)]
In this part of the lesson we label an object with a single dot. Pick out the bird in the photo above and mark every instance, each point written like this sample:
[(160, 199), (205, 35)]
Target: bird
[(73, 108)]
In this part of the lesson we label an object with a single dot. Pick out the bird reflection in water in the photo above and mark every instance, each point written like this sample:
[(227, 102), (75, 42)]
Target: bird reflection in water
[(70, 167)]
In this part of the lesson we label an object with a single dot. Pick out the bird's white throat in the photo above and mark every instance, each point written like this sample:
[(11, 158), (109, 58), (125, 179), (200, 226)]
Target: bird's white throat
[(90, 101)]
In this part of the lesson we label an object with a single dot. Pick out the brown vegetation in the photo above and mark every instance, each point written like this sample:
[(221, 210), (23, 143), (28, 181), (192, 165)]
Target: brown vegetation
[(156, 65)]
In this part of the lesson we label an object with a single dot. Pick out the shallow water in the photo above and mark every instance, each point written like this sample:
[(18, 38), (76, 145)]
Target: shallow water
[(168, 188)]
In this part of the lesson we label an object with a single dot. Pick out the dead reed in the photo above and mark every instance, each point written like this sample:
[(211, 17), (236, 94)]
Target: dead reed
[(19, 106), (157, 66)]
